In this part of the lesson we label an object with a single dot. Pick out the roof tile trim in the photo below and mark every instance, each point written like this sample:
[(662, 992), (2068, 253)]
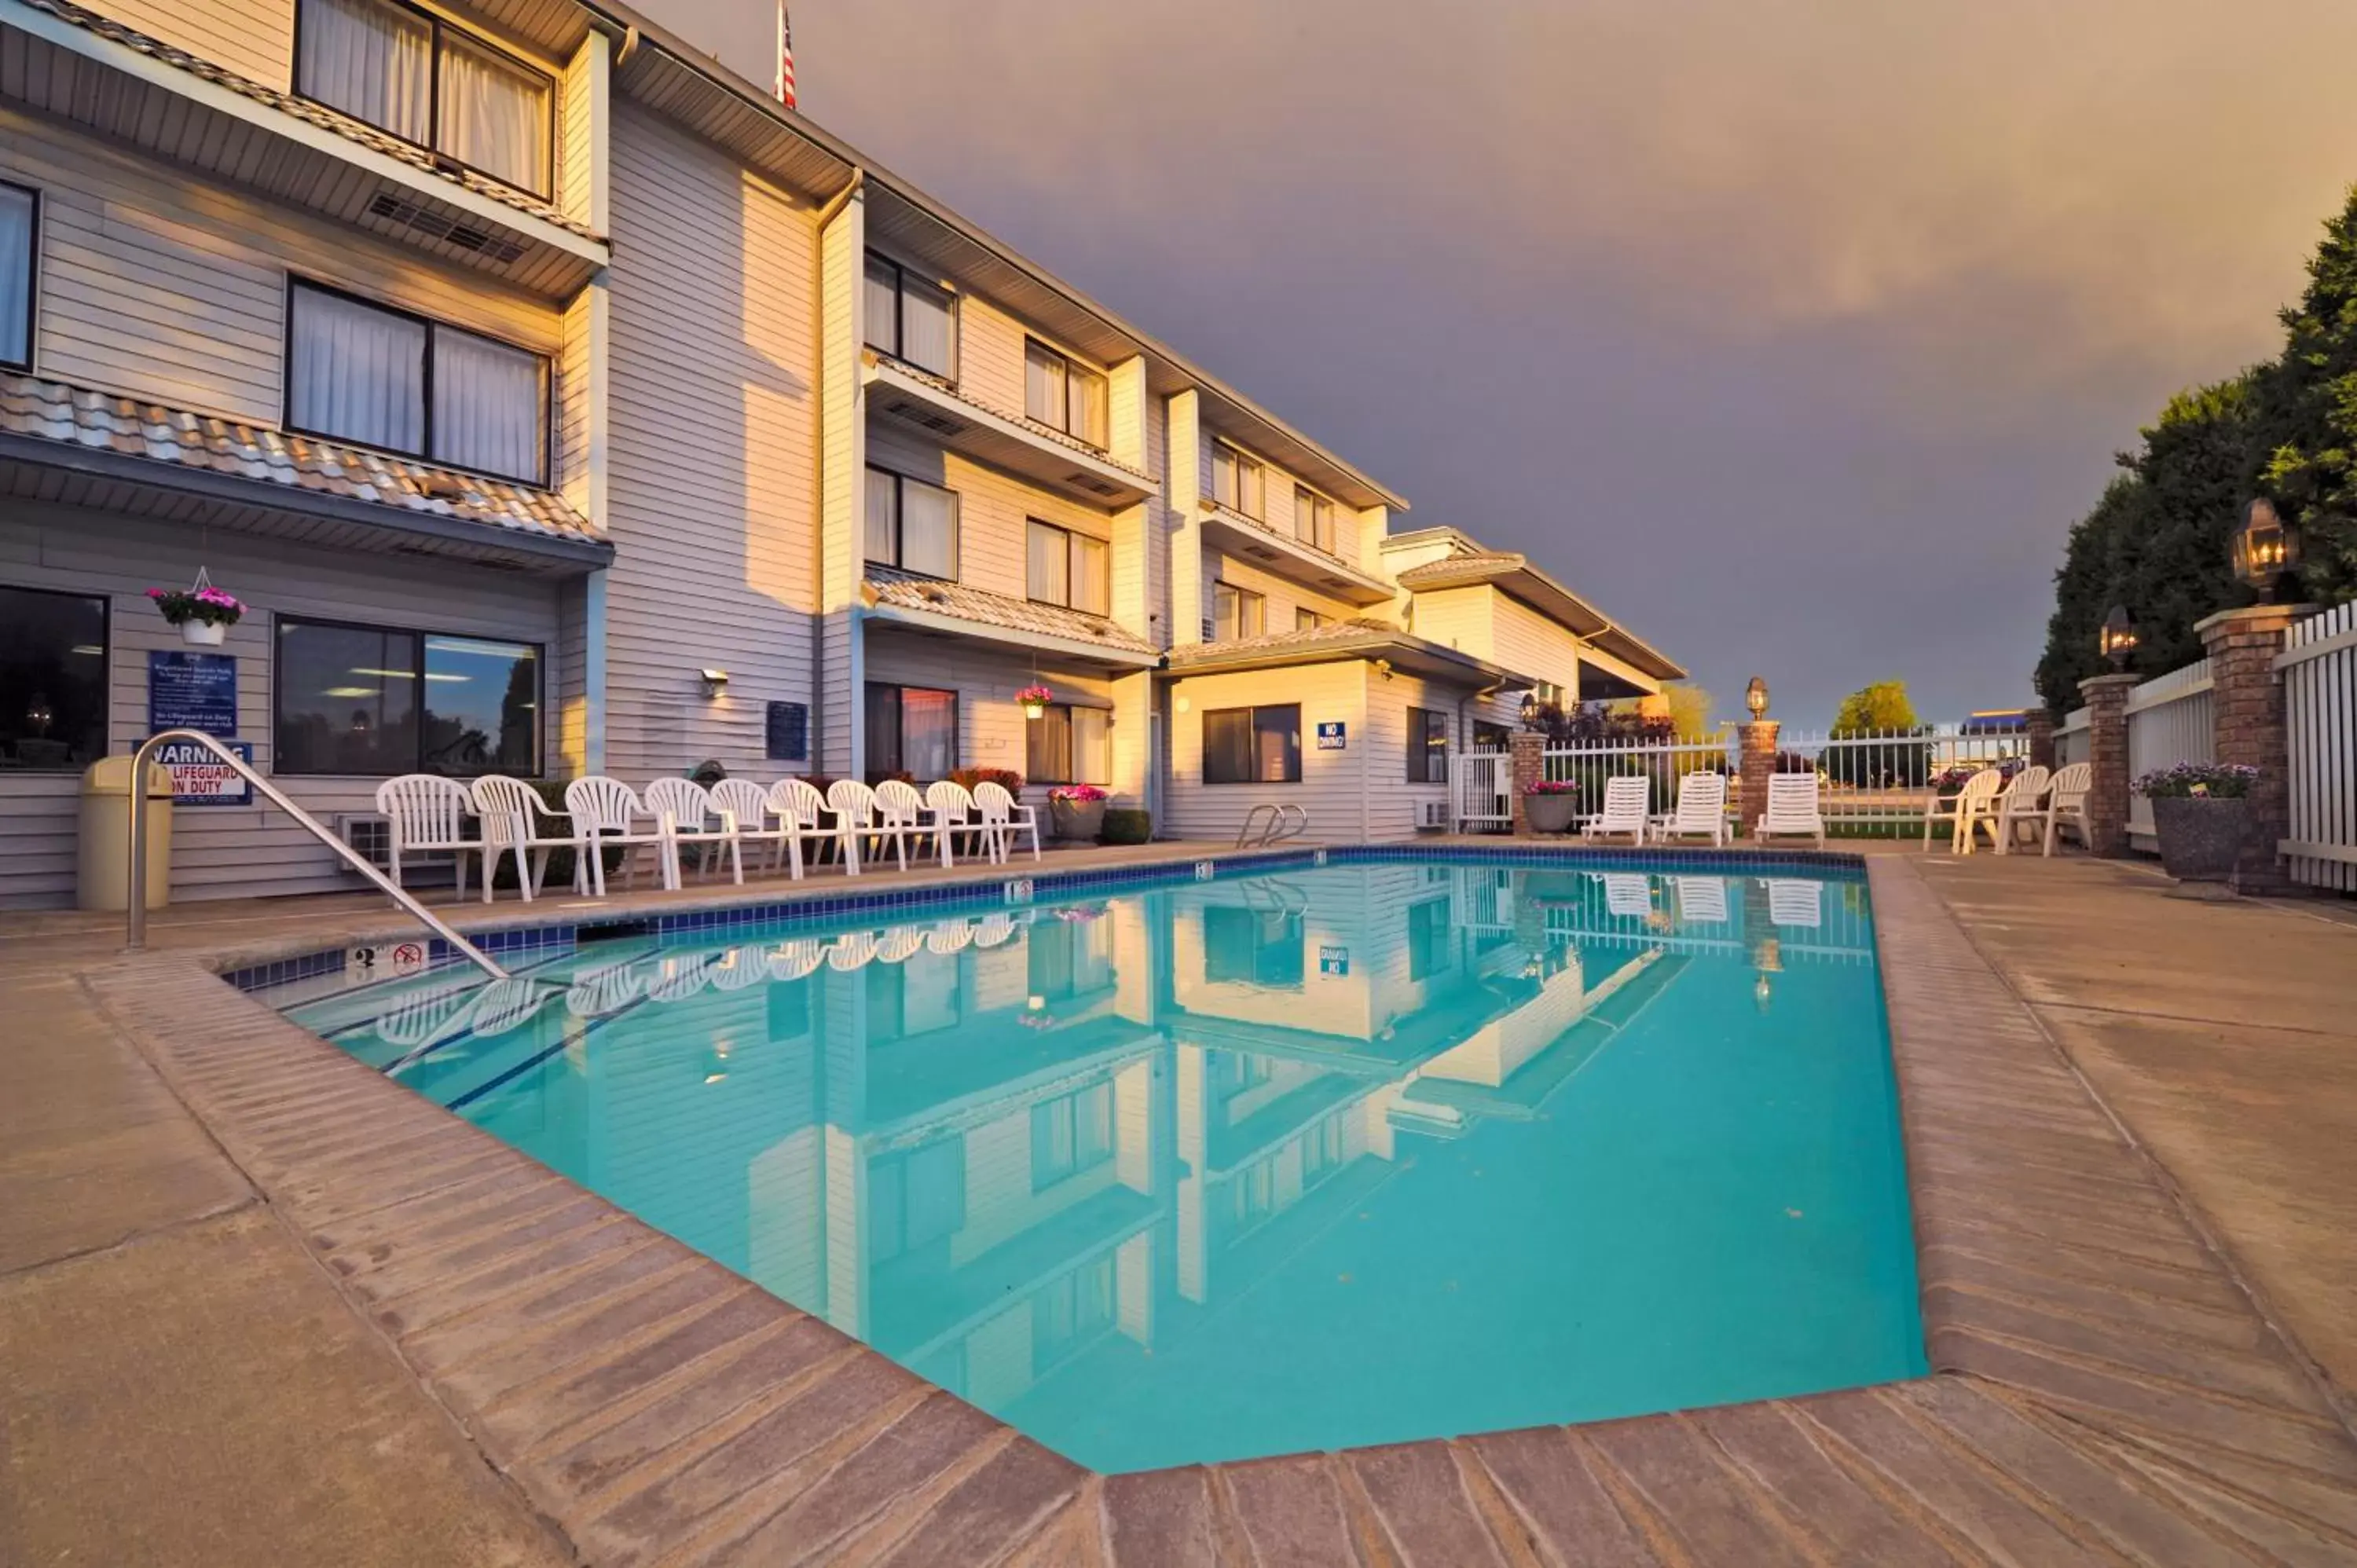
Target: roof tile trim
[(908, 591)]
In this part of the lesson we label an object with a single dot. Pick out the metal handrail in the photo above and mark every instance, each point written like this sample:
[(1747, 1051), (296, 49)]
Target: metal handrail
[(1275, 831), (134, 925)]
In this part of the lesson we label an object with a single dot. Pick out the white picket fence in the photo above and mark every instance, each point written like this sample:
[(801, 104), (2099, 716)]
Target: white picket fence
[(2070, 738), (2169, 721), (1483, 783), (1662, 762), (1888, 779), (2319, 665)]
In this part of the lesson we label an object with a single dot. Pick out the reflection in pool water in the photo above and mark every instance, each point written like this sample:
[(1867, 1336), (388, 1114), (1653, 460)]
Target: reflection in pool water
[(1310, 1160)]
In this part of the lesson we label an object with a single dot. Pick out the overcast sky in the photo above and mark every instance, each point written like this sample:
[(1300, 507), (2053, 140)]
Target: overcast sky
[(1793, 333)]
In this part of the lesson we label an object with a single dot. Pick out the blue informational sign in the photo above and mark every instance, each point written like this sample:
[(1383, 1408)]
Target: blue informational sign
[(192, 690), (1332, 736), (1334, 963), (788, 732), (202, 778)]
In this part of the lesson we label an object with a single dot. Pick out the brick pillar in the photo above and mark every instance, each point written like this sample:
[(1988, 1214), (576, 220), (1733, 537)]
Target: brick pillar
[(2107, 754), (2042, 737), (1527, 750), (2246, 704), (1756, 759)]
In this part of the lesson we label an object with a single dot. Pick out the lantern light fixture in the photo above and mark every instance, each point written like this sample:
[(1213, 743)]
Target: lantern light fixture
[(1755, 698), (2266, 548), (2118, 639)]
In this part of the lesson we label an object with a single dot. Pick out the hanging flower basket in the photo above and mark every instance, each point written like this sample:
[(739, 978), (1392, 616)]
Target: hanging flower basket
[(203, 613), (1035, 701)]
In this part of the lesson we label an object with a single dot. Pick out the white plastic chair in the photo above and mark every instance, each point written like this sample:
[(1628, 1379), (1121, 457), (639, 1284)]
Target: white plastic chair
[(428, 814), (604, 990), (1627, 893), (954, 813), (511, 812), (994, 930), (507, 1005), (805, 814), (605, 813), (740, 967), (900, 811), (686, 809), (678, 976), (1795, 903), (1702, 811), (1628, 801), (797, 958), (851, 951), (2020, 802), (1792, 809), (899, 944), (1702, 900), (1003, 817), (2066, 803), (854, 808), (1971, 806), (749, 805), (950, 937)]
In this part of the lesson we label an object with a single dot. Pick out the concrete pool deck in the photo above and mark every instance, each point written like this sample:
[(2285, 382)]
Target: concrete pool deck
[(257, 1304)]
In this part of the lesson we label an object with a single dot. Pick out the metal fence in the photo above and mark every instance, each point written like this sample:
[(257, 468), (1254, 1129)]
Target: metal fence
[(1885, 781), (2169, 721), (1483, 783), (1589, 763), (2318, 664)]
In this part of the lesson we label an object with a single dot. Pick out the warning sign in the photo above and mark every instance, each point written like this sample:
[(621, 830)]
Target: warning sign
[(384, 960), (202, 778)]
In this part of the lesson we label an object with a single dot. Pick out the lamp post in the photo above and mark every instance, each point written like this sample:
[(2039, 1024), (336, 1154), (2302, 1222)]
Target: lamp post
[(1755, 698), (2267, 551), (2118, 639)]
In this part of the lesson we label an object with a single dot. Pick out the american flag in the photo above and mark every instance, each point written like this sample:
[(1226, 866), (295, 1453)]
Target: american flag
[(784, 87)]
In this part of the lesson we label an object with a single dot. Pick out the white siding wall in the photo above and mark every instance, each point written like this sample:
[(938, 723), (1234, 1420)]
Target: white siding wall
[(1332, 782), (992, 730), (1490, 625), (994, 508), (712, 490), (990, 355), (1284, 595), (225, 852), (256, 39), (1394, 806), (1277, 493)]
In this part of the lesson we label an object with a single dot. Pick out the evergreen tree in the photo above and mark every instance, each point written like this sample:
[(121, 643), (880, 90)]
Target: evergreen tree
[(2309, 414)]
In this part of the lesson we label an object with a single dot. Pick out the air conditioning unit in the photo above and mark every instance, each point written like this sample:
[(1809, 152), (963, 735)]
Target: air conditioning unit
[(1436, 815), (368, 834)]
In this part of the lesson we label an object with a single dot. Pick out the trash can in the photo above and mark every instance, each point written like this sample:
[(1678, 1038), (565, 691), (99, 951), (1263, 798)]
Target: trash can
[(105, 853)]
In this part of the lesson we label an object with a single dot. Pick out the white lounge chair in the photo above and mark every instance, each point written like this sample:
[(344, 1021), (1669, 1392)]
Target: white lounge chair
[(954, 812), (606, 813), (609, 990), (740, 967), (1702, 900), (856, 812), (1965, 810), (949, 937), (2066, 803), (1628, 801), (1628, 894), (899, 944), (1702, 811), (2020, 802), (1003, 817), (850, 952), (805, 813), (506, 1004), (689, 812), (1792, 810), (750, 806), (1792, 902), (678, 976), (511, 812), (428, 816)]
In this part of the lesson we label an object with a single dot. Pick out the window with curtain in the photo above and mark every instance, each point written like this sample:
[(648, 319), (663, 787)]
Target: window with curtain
[(1253, 947), (412, 74), (19, 214), (1062, 394), (1237, 612), (911, 730), (1313, 519), (912, 525), (1070, 1313), (1068, 568), (1253, 745), (52, 680), (915, 1197), (1069, 744), (1427, 746), (357, 371), (1309, 619), (1071, 1134), (911, 319), (372, 701), (1236, 481), (1431, 949)]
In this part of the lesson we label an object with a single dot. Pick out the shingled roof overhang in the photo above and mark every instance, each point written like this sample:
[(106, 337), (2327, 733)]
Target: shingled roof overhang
[(1408, 654)]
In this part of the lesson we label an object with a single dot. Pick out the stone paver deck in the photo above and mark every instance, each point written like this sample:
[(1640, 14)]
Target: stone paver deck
[(2106, 1389)]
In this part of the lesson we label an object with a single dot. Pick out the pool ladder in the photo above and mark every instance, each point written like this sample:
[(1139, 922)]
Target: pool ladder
[(1272, 823)]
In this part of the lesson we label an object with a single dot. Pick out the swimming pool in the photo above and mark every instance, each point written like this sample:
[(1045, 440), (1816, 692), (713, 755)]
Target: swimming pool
[(1317, 1158)]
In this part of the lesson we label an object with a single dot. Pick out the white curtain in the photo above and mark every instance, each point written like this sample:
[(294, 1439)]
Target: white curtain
[(928, 731), (1248, 488), (1088, 407), (490, 403), (928, 327), (1043, 386), (356, 372), (1050, 566), (372, 61), (928, 529), (16, 275), (883, 304), (1092, 745), (883, 516), (494, 115), (1092, 590)]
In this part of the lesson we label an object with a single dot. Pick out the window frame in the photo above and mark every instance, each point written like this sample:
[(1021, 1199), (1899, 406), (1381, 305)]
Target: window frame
[(1241, 460), (874, 773), (105, 676), (281, 620), (1326, 545), (1252, 719), (900, 271), (900, 515), (1306, 619), (1034, 775), (1243, 596), (545, 480), (435, 25), (1073, 368), (1421, 752), (32, 278), (1071, 561)]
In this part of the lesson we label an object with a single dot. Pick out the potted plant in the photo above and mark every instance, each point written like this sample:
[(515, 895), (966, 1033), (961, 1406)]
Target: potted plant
[(203, 613), (1549, 804), (2201, 814), (1078, 810), (1035, 700)]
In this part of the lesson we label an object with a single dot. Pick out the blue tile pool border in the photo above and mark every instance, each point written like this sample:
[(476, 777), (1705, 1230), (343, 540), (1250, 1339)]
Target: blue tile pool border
[(1016, 890)]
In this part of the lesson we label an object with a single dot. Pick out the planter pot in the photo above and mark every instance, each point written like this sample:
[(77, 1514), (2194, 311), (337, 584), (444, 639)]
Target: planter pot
[(1550, 813), (1078, 819), (1035, 709), (2201, 838), (203, 633)]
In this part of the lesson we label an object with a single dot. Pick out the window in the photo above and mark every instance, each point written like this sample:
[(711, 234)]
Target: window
[(1427, 746), (382, 378), (1064, 959), (911, 320), (409, 73), (1071, 1134), (1237, 612), (1070, 569), (1062, 395), (52, 678), (1066, 744), (1069, 1312), (19, 223), (1429, 948), (915, 1198), (1313, 519), (912, 525), (1306, 619), (1236, 481), (1255, 947), (1253, 745), (911, 730), (920, 996), (372, 702)]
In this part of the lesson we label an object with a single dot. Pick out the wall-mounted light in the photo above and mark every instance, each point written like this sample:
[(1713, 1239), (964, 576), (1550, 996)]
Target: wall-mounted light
[(715, 681), (1383, 667)]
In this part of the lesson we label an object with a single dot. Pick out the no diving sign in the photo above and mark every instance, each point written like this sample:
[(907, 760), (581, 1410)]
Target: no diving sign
[(385, 960)]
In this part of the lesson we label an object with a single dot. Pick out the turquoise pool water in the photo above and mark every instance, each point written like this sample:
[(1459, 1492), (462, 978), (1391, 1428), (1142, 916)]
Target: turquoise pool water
[(1316, 1159)]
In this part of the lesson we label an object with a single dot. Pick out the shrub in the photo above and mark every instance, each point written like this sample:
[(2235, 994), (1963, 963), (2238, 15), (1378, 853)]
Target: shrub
[(1005, 778), (2212, 780), (1126, 825)]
